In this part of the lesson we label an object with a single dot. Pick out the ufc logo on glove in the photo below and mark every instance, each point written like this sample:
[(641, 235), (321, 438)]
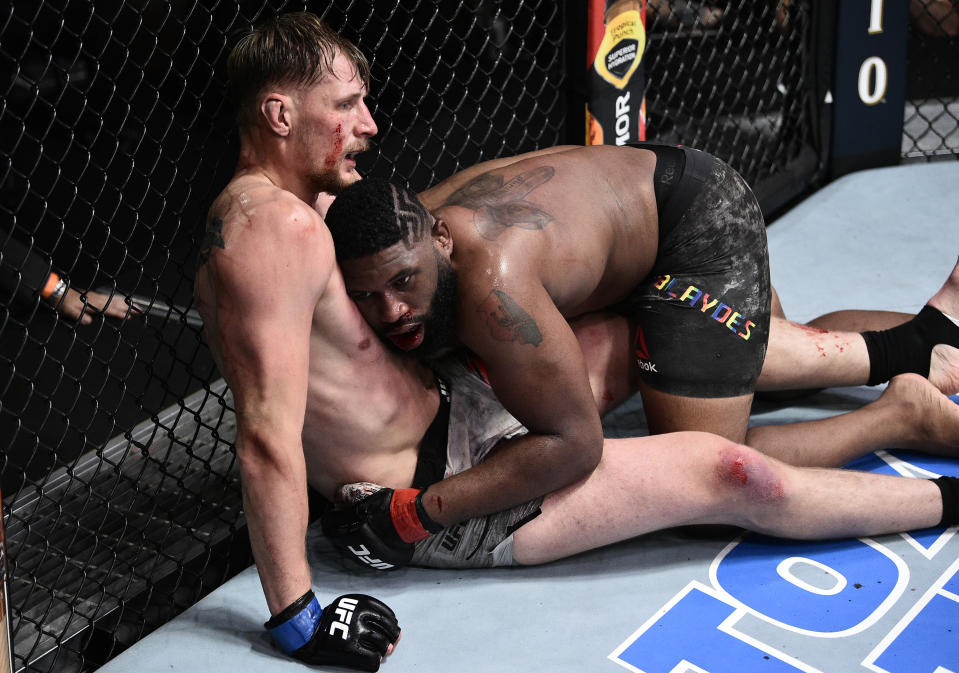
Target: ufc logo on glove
[(344, 612)]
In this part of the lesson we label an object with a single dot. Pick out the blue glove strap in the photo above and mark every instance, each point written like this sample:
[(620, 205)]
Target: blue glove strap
[(296, 632)]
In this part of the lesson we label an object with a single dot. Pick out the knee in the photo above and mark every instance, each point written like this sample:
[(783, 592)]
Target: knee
[(776, 308), (744, 471)]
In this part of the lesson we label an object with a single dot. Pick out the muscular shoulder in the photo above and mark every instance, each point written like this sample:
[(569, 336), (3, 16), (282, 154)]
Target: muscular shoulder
[(251, 208), (261, 235)]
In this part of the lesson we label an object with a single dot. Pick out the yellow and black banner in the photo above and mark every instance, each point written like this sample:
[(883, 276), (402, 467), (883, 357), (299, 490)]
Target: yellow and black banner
[(616, 41)]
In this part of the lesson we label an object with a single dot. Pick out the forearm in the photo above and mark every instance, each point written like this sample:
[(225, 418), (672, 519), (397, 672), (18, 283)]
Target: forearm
[(521, 469), (277, 512)]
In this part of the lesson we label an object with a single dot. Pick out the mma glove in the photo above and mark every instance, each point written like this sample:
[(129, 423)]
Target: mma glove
[(353, 631), (378, 531)]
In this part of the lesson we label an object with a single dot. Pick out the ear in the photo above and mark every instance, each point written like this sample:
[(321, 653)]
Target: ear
[(276, 108), (322, 202), (442, 237)]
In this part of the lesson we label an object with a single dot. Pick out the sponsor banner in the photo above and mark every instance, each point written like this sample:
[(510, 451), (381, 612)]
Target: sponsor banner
[(616, 41)]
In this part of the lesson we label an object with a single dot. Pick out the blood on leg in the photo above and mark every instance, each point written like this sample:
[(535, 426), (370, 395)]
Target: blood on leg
[(743, 469)]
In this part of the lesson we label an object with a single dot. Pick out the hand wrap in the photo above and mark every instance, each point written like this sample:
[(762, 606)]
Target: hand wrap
[(379, 530), (354, 631)]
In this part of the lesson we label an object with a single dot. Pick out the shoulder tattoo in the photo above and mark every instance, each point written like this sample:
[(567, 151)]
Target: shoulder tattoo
[(507, 321), (498, 204), (213, 236)]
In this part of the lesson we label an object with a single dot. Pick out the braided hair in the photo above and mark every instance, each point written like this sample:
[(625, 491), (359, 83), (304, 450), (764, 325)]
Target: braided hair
[(372, 214)]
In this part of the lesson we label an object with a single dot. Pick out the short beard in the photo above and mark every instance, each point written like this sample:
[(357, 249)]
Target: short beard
[(439, 323), (330, 182)]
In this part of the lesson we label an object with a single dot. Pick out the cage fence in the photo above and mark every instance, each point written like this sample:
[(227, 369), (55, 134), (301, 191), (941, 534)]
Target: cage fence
[(931, 119), (120, 483)]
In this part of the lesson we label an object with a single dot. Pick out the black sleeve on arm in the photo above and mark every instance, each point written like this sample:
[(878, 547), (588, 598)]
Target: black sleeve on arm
[(23, 273)]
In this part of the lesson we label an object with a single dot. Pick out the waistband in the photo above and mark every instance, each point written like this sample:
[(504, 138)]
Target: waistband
[(431, 459), (679, 176)]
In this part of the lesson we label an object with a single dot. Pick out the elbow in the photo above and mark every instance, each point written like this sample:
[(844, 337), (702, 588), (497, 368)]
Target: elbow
[(591, 456), (260, 455), (253, 462), (586, 450)]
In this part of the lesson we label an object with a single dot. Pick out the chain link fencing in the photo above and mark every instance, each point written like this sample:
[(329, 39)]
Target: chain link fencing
[(119, 479), (931, 122), (739, 79)]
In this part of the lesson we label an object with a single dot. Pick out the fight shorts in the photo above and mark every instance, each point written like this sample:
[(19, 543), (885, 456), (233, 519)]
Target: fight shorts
[(477, 421), (700, 320)]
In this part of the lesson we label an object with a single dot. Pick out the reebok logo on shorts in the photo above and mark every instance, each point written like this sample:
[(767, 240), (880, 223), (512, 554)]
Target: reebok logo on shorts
[(642, 352), (722, 313)]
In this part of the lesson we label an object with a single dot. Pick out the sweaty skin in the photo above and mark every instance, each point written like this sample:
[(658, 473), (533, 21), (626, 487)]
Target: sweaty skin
[(531, 211), (527, 264), (531, 253)]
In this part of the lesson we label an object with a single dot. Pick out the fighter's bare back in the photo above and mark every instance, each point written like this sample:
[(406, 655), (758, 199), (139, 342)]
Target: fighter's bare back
[(551, 194)]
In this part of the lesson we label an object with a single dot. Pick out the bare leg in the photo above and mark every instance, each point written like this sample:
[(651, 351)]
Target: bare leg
[(910, 414), (644, 484), (800, 356), (811, 356), (844, 321), (605, 342), (726, 416), (852, 320), (944, 367)]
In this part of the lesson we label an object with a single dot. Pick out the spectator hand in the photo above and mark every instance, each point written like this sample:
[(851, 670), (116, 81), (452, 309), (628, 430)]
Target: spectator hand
[(74, 305)]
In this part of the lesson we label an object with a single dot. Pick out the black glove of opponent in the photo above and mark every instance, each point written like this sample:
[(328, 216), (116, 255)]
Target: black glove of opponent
[(378, 531), (354, 630)]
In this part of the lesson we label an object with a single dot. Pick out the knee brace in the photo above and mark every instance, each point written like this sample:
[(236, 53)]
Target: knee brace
[(907, 348), (949, 487)]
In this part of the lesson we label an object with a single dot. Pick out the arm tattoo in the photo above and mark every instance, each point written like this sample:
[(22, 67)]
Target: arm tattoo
[(212, 237), (498, 204), (507, 321)]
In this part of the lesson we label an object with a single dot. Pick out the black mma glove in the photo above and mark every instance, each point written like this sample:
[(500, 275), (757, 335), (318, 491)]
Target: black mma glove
[(379, 530), (354, 631)]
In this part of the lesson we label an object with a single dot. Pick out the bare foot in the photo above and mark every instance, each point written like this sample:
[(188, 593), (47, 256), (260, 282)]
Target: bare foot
[(930, 419), (944, 362), (944, 368), (947, 298)]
